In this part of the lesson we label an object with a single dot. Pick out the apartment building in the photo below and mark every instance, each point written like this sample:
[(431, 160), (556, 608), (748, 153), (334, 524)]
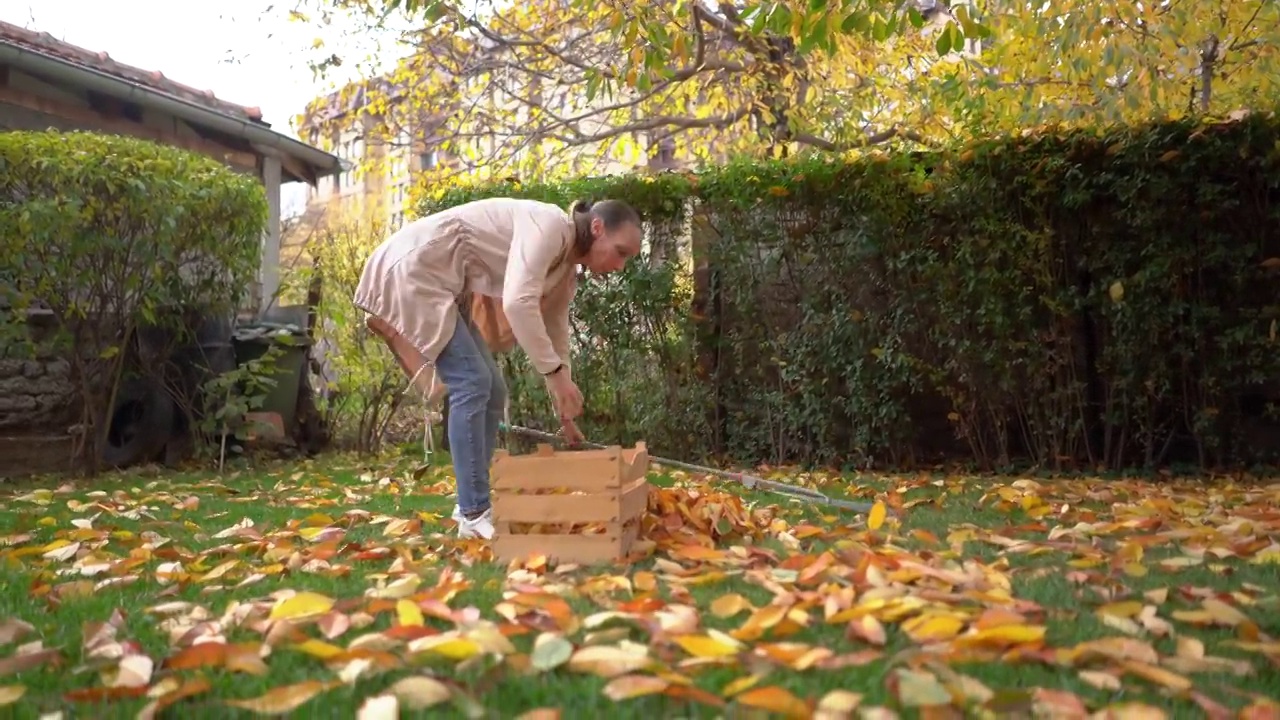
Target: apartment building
[(385, 156)]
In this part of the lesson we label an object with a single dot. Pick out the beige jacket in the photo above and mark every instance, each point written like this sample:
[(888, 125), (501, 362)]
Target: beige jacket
[(509, 258)]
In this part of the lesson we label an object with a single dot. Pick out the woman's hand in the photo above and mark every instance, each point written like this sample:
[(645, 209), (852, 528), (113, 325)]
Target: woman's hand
[(572, 435), (564, 395)]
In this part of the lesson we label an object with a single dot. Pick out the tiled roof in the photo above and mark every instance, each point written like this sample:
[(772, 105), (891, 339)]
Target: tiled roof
[(45, 44)]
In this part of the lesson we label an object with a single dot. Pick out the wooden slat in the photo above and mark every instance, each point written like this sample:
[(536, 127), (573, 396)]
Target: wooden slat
[(635, 463), (635, 499), (586, 549), (593, 508), (594, 473)]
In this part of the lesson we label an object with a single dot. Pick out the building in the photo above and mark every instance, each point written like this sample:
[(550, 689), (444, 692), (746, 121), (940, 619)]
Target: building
[(378, 165), (386, 157), (49, 84), (46, 83)]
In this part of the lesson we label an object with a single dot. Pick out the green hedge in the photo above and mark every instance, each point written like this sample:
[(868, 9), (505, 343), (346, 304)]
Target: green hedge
[(1077, 299), (117, 236)]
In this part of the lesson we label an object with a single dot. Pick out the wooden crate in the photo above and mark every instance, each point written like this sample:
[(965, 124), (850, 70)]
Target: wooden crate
[(578, 506)]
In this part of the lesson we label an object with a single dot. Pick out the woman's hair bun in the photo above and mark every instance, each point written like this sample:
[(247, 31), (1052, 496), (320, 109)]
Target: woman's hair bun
[(581, 206)]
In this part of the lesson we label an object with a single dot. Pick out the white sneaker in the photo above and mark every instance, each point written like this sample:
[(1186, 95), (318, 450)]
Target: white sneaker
[(481, 527)]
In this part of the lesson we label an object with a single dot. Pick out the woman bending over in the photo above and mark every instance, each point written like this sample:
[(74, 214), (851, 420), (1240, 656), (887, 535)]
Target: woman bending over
[(421, 284)]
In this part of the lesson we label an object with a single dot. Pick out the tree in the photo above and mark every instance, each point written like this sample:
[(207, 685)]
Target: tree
[(1086, 61), (564, 87), (520, 88)]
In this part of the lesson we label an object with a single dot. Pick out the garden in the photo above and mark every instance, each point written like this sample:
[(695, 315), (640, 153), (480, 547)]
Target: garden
[(1047, 360)]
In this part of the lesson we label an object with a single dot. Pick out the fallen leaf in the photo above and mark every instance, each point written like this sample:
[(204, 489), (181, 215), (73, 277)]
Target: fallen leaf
[(706, 646), (609, 660), (418, 692), (775, 700), (10, 694), (550, 651), (379, 707), (282, 700), (626, 687), (876, 517), (301, 605), (837, 705)]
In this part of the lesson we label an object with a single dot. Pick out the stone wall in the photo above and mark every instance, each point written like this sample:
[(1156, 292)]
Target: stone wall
[(36, 395)]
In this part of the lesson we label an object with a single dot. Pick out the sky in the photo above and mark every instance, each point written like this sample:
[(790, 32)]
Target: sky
[(241, 50)]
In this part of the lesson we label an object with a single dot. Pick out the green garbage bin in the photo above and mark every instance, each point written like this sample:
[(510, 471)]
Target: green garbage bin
[(252, 342)]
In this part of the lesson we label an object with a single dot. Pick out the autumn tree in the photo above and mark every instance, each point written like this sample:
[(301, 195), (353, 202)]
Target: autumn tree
[(1086, 61), (563, 87), (555, 87)]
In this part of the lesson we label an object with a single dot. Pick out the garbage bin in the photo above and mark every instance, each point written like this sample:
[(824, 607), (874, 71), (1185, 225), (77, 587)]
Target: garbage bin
[(252, 341)]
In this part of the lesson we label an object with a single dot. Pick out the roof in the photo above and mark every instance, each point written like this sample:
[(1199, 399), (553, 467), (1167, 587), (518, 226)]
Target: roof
[(44, 55), (46, 44)]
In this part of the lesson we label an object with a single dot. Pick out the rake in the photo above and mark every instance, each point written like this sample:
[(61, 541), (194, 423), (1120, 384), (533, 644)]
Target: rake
[(751, 482)]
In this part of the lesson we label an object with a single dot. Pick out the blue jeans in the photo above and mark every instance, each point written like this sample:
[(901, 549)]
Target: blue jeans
[(477, 398)]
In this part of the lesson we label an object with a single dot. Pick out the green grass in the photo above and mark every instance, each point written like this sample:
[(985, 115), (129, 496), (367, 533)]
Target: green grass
[(990, 531)]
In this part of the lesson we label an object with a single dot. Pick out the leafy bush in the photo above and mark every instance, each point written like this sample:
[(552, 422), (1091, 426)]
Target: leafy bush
[(362, 384), (1092, 298), (118, 237)]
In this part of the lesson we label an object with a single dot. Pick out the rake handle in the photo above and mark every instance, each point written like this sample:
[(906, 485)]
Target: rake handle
[(748, 481)]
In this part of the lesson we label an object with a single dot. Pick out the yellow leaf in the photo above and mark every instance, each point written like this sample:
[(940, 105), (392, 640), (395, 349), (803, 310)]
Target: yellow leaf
[(876, 517), (454, 648), (303, 604), (729, 605), (1003, 635), (741, 684), (10, 694), (1126, 609), (1116, 291), (319, 648), (282, 700), (932, 627), (704, 646), (408, 613), (837, 704)]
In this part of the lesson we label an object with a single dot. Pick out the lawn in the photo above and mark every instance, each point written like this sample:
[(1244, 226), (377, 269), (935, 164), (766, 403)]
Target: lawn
[(336, 587)]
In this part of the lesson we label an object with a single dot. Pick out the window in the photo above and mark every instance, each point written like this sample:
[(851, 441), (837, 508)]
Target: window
[(428, 160)]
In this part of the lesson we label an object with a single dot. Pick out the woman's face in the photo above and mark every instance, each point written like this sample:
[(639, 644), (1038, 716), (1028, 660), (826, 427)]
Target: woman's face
[(611, 249)]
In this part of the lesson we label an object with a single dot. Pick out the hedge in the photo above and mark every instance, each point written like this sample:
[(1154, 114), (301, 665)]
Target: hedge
[(115, 236), (1076, 299)]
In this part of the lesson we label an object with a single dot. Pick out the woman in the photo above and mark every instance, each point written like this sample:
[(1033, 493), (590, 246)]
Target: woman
[(419, 287)]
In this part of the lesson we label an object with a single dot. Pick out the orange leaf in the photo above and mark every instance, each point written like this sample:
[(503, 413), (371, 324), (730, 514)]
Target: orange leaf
[(774, 699)]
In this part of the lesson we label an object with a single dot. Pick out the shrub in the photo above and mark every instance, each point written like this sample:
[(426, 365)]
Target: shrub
[(361, 385), (115, 237), (1096, 298)]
